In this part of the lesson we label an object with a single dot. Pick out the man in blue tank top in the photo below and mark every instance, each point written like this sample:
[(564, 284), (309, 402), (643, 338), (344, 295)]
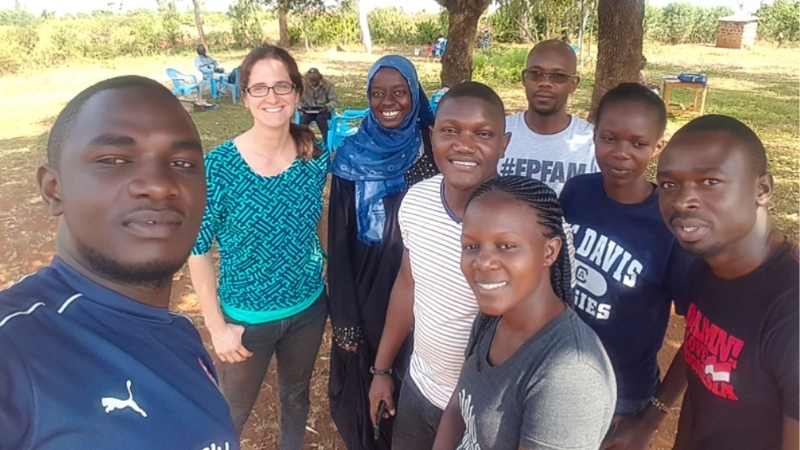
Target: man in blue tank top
[(91, 355)]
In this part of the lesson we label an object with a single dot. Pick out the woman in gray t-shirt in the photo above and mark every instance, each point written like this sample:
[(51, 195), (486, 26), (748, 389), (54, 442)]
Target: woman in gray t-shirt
[(536, 376)]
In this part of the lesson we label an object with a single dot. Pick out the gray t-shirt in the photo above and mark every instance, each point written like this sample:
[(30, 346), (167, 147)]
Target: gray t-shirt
[(551, 158), (556, 392)]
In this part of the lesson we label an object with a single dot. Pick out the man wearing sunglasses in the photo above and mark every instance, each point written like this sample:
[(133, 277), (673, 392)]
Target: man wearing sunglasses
[(319, 99), (547, 143)]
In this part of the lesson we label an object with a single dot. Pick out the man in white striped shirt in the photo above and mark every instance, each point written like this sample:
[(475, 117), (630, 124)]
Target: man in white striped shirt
[(431, 295)]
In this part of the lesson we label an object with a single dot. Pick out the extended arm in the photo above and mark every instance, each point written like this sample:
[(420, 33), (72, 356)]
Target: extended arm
[(400, 321)]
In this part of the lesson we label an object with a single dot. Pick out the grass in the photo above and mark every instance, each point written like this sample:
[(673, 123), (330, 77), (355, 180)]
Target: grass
[(758, 86)]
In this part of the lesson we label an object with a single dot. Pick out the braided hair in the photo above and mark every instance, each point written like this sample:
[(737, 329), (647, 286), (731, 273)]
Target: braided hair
[(543, 199)]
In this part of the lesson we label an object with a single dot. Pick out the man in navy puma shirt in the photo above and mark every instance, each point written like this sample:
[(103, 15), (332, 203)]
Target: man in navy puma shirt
[(90, 355)]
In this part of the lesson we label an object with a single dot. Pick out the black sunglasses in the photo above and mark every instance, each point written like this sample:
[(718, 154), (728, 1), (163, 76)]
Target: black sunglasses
[(555, 77)]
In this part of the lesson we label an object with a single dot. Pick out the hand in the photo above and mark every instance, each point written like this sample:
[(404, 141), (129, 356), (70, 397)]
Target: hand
[(382, 388), (227, 343), (628, 433), (349, 348)]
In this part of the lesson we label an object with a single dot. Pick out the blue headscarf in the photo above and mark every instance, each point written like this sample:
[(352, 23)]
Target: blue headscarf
[(377, 158)]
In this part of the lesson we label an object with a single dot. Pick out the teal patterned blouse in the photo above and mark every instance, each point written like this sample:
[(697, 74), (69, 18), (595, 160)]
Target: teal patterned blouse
[(266, 231)]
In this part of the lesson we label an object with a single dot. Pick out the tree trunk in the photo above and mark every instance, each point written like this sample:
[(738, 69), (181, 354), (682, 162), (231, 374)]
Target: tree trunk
[(591, 34), (525, 31), (581, 50), (463, 17), (363, 23), (283, 24), (199, 24), (619, 46)]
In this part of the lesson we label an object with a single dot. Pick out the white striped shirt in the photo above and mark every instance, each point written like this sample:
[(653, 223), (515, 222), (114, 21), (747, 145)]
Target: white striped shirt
[(444, 305)]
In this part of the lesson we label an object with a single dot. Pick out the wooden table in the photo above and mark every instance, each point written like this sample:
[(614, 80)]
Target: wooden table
[(700, 90)]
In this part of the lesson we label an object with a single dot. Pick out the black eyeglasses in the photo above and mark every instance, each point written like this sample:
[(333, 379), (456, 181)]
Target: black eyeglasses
[(282, 88), (536, 76)]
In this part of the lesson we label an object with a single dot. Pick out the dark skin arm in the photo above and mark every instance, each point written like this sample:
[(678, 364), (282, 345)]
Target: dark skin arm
[(790, 434), (684, 424), (401, 312), (636, 432), (451, 427)]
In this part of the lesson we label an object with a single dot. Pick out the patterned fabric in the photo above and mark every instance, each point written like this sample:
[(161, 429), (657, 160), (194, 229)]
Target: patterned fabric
[(266, 231), (376, 157)]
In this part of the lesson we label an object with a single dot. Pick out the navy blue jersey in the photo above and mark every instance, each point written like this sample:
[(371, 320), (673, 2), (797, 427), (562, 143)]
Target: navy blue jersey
[(629, 269), (82, 366)]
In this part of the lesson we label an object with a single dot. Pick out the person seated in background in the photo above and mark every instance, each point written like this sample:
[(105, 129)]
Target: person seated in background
[(318, 100), (206, 64), (643, 80)]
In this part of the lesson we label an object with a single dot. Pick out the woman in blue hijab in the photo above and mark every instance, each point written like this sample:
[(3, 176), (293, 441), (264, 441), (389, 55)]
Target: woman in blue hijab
[(371, 172)]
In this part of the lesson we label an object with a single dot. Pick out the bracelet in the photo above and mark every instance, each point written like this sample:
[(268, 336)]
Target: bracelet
[(660, 405), (379, 372)]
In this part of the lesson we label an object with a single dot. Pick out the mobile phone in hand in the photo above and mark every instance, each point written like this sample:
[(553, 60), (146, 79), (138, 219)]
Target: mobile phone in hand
[(376, 432)]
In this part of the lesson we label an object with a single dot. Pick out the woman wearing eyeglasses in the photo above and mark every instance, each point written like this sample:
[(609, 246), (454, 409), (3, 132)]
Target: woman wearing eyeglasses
[(265, 196)]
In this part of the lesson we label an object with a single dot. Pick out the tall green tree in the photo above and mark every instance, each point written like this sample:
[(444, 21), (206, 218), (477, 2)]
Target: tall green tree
[(285, 7)]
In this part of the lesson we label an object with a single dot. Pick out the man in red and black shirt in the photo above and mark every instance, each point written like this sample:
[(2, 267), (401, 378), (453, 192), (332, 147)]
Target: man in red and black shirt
[(741, 341)]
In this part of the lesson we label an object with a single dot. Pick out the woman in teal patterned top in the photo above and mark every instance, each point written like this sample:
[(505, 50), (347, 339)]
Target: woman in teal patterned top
[(265, 196)]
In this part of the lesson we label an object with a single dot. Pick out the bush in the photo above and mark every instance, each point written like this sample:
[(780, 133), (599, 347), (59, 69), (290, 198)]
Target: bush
[(779, 17), (496, 67), (245, 26), (503, 28), (682, 23), (392, 26)]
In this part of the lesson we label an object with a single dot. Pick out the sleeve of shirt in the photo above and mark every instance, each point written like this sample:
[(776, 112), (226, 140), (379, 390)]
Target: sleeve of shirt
[(212, 215), (569, 394), (17, 412), (341, 277), (333, 98), (678, 277), (780, 349)]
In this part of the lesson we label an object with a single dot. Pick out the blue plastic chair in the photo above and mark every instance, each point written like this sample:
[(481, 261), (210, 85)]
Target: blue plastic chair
[(233, 87), (341, 126), (183, 84), (440, 49)]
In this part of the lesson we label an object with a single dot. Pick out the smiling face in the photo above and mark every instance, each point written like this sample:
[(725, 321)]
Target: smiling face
[(505, 256), (468, 139), (389, 97), (709, 194), (129, 186), (546, 97), (272, 111), (626, 138)]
